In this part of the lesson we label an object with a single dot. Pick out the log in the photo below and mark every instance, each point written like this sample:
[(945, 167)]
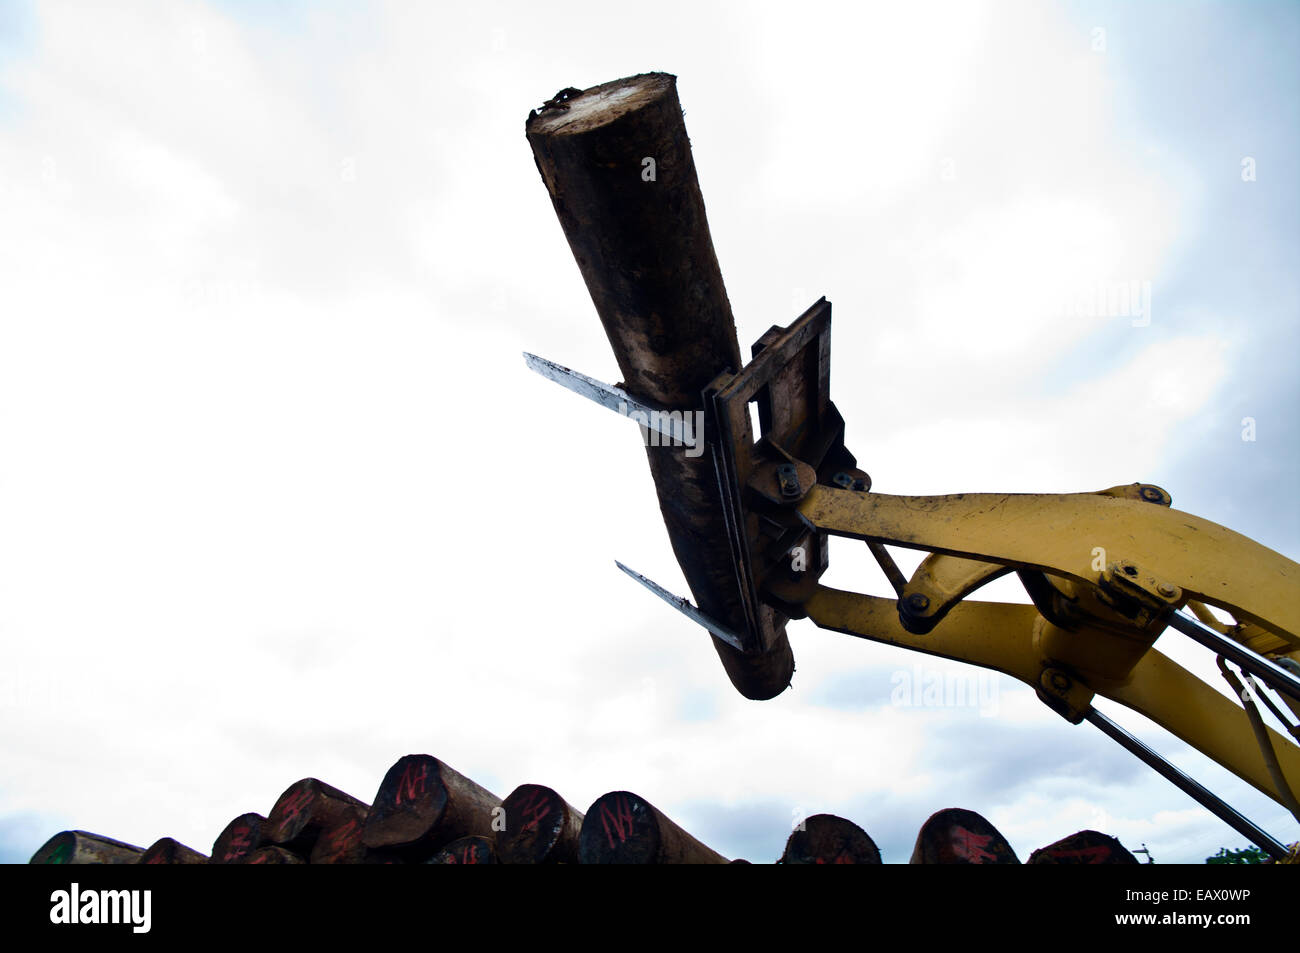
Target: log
[(624, 828), (540, 828), (274, 855), (343, 845), (827, 839), (957, 836), (424, 804), (83, 847), (1085, 847), (647, 257), (165, 850), (304, 810), (239, 839), (466, 850)]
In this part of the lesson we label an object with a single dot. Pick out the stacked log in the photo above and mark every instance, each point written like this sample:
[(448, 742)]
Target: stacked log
[(423, 804), (827, 839), (623, 828)]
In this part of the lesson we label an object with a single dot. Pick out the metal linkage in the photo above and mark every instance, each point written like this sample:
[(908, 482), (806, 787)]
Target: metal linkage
[(1190, 786), (1273, 674)]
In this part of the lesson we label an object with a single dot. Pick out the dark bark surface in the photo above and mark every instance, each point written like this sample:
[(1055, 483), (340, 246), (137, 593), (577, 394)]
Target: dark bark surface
[(83, 847)]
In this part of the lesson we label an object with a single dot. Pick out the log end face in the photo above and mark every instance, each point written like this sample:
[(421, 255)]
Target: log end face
[(598, 106), (409, 805), (827, 839), (758, 677), (1085, 847), (957, 836), (474, 849), (239, 839), (535, 817), (620, 828)]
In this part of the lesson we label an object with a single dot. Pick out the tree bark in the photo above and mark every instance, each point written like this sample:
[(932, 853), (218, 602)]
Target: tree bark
[(643, 246), (82, 847), (165, 850), (274, 855), (623, 828), (306, 809)]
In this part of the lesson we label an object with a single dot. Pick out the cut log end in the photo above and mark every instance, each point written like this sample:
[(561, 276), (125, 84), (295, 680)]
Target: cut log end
[(540, 828), (240, 838), (600, 105), (958, 836), (1085, 847), (474, 849), (827, 839)]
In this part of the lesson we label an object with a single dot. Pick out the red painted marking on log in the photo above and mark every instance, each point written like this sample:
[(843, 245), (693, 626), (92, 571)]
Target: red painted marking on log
[(841, 858), (241, 838), (157, 859), (971, 846), (468, 855), (295, 803), (409, 781), (338, 841), (621, 817), (536, 805), (1094, 855)]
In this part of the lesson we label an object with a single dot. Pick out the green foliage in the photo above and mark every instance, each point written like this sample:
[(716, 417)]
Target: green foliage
[(1247, 855)]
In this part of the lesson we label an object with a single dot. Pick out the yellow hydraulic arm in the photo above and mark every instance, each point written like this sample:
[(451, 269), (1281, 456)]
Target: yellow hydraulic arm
[(1107, 573)]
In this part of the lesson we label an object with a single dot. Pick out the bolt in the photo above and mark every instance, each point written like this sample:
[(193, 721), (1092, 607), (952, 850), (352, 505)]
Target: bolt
[(1060, 682), (860, 486), (1167, 590), (842, 479), (1152, 494), (918, 602)]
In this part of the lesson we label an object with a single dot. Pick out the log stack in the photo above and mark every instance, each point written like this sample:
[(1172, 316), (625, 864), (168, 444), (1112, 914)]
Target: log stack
[(426, 812)]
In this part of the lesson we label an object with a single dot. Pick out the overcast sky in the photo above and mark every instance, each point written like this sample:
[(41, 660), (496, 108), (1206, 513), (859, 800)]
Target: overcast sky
[(279, 498)]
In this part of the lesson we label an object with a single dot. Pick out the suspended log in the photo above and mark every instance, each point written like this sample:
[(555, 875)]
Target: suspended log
[(82, 847), (957, 836), (466, 850), (274, 855), (624, 828), (1085, 847), (239, 839), (304, 810), (618, 166), (540, 828), (165, 850), (424, 804), (827, 839)]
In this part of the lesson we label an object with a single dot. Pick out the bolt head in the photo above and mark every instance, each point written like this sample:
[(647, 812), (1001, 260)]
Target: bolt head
[(918, 602)]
